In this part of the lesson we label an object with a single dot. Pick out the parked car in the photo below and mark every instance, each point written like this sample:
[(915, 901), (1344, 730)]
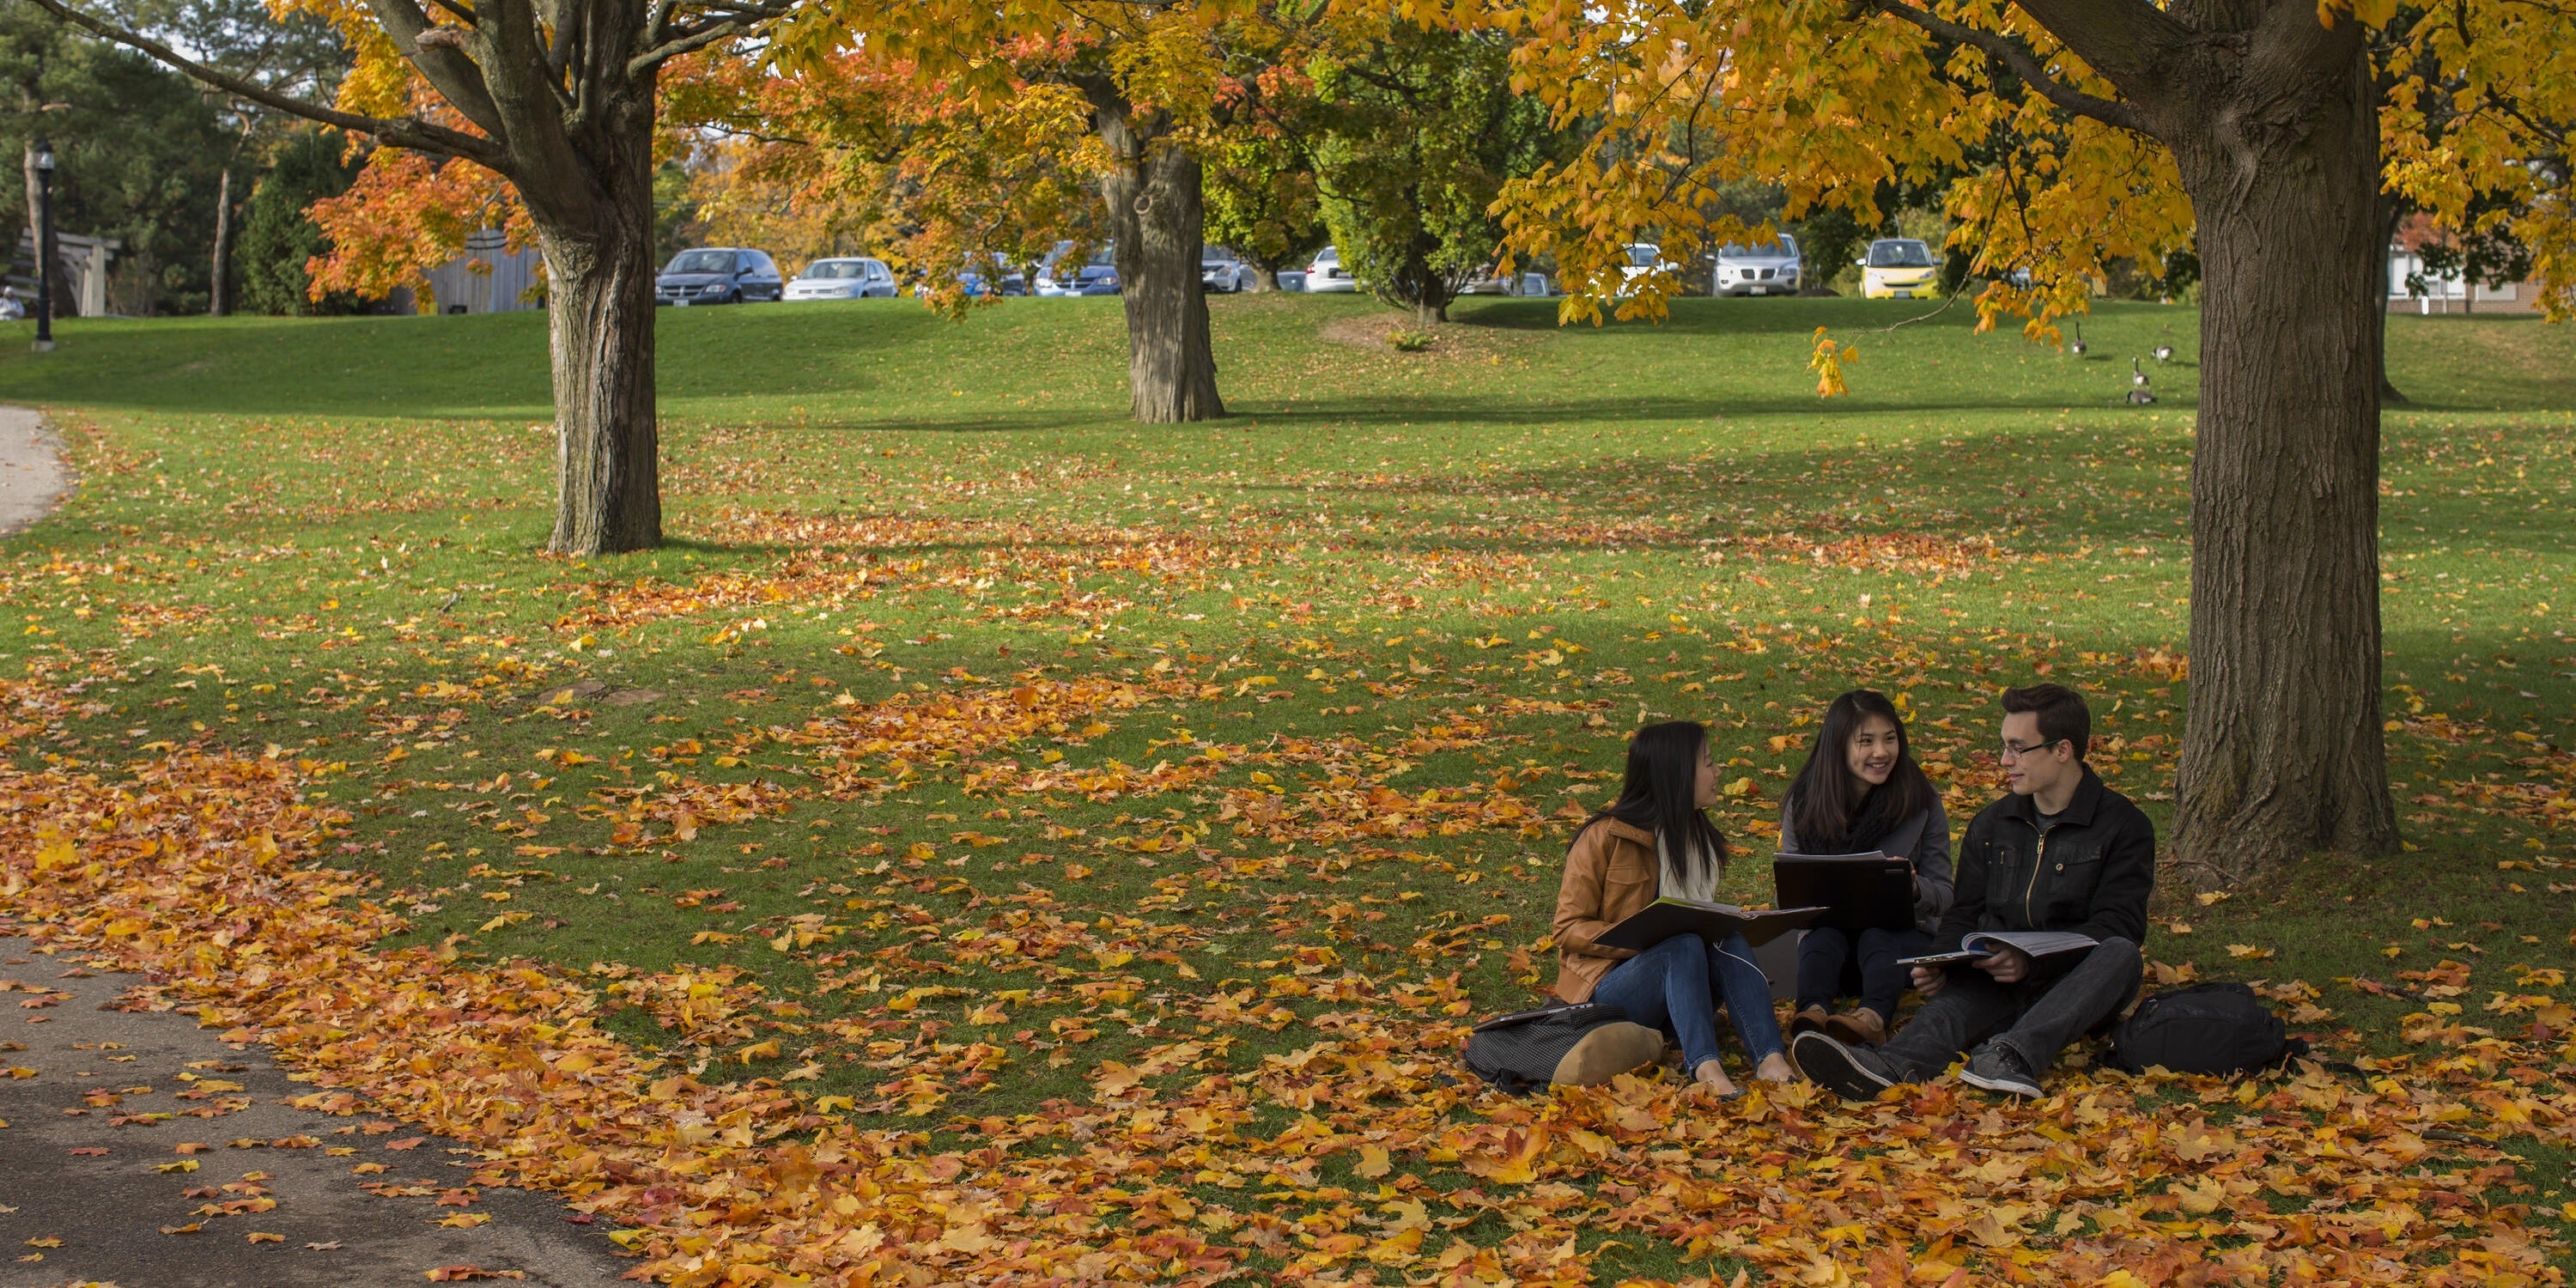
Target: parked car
[(1044, 282), (1899, 268), (1223, 271), (1326, 273), (983, 276), (1097, 275), (1768, 269), (843, 279), (718, 275), (1643, 258), (1001, 279)]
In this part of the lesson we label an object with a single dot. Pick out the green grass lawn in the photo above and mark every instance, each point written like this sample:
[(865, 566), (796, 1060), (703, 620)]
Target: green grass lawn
[(992, 737)]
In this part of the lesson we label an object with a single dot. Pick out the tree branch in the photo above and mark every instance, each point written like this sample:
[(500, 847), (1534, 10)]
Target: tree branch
[(447, 69), (2131, 43), (2023, 63), (408, 132), (695, 39)]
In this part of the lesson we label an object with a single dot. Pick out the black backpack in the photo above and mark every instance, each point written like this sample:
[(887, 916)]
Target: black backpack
[(1521, 1052), (2206, 1028)]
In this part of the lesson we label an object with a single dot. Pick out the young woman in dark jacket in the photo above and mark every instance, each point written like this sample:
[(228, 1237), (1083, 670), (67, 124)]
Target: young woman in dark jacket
[(1862, 791)]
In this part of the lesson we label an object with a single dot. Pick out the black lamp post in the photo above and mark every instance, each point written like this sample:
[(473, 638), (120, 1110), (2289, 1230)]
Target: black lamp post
[(45, 267)]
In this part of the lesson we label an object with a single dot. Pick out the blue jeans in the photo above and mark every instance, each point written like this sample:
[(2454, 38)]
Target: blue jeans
[(1674, 986)]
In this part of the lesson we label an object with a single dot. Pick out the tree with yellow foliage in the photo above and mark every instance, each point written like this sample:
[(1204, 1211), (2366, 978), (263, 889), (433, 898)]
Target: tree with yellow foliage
[(1160, 86), (2259, 133)]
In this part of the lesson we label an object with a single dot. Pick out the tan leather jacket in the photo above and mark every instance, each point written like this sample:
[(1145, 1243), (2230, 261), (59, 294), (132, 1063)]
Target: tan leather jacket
[(1610, 875)]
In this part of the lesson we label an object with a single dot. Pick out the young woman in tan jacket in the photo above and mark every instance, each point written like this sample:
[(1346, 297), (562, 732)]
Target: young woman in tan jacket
[(1656, 840)]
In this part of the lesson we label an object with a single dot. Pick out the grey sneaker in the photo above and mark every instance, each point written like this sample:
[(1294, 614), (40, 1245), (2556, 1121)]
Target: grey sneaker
[(1854, 1073), (1998, 1068)]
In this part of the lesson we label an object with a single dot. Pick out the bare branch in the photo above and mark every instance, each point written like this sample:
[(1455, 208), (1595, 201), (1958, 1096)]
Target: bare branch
[(568, 24), (693, 40), (407, 132), (2023, 63)]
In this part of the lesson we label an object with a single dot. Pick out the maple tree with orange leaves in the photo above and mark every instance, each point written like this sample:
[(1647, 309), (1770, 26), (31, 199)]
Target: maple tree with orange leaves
[(560, 102), (2259, 134)]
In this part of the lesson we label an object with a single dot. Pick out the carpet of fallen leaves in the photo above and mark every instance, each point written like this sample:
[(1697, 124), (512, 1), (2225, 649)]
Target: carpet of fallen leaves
[(1358, 1158), (1065, 852)]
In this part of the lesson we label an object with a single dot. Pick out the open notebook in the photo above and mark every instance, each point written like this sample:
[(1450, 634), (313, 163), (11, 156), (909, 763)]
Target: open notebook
[(1983, 943), (1667, 917)]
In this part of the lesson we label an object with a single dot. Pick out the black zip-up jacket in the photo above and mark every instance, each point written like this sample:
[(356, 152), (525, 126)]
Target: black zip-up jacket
[(2091, 873)]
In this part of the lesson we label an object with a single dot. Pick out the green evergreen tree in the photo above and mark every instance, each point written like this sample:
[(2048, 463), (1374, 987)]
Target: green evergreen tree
[(136, 152), (277, 235)]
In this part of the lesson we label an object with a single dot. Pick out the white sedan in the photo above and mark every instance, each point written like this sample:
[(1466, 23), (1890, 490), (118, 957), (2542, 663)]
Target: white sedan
[(843, 279), (1326, 273)]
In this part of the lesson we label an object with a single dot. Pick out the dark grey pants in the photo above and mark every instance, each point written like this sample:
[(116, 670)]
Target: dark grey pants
[(2034, 1019)]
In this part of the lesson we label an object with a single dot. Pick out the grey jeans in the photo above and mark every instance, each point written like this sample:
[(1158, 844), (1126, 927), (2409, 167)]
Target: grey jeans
[(2035, 1019)]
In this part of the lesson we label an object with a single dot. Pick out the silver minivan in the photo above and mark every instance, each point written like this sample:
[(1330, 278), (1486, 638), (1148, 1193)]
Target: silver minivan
[(1768, 269), (848, 278)]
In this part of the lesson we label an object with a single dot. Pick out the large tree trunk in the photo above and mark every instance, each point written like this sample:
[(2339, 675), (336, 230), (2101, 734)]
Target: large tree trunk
[(219, 300), (2391, 212), (599, 310), (1155, 218), (2282, 750)]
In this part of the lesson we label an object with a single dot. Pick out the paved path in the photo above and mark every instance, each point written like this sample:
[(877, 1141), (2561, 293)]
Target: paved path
[(33, 477), (76, 1167)]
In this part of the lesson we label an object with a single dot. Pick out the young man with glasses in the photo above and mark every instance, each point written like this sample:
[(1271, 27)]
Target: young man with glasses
[(2062, 852)]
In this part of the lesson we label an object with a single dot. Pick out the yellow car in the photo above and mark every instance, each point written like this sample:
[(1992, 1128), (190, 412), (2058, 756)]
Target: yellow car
[(1899, 268)]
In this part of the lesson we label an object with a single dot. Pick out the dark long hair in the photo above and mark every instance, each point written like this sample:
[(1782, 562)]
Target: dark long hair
[(1661, 798), (1834, 810)]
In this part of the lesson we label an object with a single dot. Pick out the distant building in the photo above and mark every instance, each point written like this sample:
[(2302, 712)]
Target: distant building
[(2412, 290), (489, 277)]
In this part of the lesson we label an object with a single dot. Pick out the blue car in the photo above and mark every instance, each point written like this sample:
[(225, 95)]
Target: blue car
[(1001, 279), (1094, 276)]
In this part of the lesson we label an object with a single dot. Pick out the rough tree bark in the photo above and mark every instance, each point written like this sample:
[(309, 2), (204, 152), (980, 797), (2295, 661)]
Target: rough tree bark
[(599, 306), (219, 277), (2270, 117), (1156, 217), (2282, 749)]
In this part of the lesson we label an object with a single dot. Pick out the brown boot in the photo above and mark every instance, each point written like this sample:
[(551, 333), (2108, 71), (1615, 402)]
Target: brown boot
[(1811, 1020), (1859, 1026), (1606, 1052)]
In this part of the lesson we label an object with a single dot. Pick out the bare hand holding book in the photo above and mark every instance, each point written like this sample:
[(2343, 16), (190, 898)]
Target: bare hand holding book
[(2034, 944)]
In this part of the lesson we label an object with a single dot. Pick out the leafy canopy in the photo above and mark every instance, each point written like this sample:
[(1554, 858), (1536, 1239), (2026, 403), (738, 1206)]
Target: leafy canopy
[(1840, 104)]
